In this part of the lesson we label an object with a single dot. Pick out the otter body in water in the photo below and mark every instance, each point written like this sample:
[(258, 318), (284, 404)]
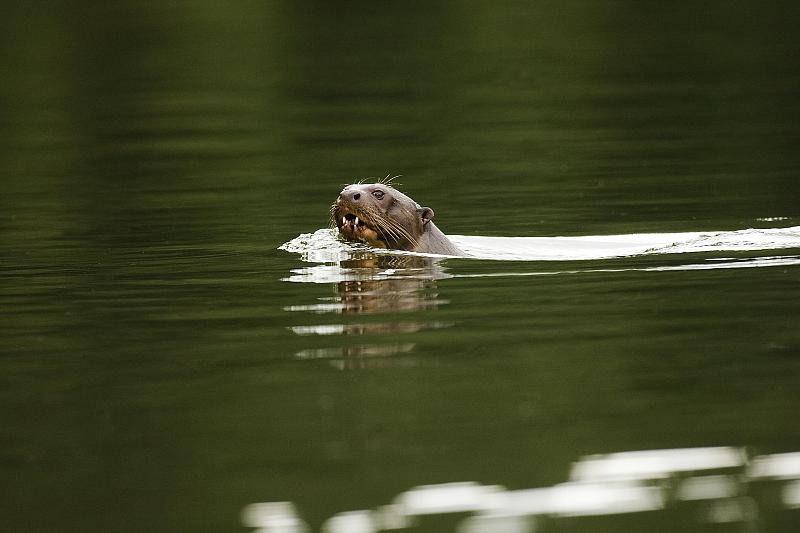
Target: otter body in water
[(383, 217)]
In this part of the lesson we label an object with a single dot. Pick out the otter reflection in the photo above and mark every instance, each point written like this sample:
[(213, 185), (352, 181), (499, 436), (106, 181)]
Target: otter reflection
[(362, 356), (373, 284), (395, 284)]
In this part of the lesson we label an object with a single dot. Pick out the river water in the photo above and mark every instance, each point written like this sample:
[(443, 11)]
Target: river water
[(182, 337)]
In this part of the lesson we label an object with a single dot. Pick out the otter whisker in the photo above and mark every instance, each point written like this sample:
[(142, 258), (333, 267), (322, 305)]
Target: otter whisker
[(391, 227), (376, 218), (405, 232), (388, 227), (413, 240), (401, 232), (388, 180), (331, 217)]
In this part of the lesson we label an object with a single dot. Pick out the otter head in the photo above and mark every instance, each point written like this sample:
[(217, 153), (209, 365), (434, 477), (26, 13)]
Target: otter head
[(380, 216)]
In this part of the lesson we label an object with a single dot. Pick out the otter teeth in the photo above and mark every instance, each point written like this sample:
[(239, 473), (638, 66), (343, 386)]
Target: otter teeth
[(351, 221)]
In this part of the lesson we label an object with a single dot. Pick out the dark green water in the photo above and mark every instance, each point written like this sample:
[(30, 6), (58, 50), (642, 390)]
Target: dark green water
[(158, 375)]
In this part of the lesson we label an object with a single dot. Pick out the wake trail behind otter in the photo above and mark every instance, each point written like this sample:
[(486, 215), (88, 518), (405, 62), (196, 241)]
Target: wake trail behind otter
[(323, 246), (614, 246)]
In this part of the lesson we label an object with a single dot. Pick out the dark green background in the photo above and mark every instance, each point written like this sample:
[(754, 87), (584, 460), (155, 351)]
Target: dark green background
[(153, 156)]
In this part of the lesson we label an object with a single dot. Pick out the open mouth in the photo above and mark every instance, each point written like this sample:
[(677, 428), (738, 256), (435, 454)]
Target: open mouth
[(355, 228), (352, 223)]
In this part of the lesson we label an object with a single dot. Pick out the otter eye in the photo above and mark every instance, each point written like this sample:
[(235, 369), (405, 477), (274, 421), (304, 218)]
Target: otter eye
[(378, 194)]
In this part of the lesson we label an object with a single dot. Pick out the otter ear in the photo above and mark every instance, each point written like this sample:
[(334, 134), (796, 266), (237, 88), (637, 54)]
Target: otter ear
[(426, 213)]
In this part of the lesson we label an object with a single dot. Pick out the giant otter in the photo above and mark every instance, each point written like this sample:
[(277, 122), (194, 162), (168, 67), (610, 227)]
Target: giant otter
[(383, 217)]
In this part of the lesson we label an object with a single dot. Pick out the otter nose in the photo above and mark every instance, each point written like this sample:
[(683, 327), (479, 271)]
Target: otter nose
[(350, 195)]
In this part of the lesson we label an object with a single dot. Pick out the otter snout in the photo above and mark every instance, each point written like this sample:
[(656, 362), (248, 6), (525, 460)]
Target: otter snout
[(349, 195)]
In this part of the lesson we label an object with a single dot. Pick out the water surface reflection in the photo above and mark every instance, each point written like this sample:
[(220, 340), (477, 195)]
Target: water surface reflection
[(371, 284), (714, 487)]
